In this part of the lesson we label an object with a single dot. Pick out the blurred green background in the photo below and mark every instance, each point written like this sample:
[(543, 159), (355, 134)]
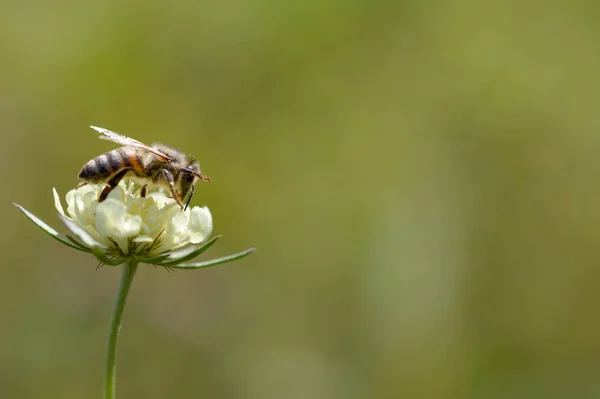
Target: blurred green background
[(420, 180)]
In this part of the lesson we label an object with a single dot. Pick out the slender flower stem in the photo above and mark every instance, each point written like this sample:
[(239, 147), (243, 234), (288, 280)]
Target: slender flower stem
[(127, 273)]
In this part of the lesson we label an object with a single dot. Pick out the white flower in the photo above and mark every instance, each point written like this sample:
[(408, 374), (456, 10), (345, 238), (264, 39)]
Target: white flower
[(132, 225), (126, 227)]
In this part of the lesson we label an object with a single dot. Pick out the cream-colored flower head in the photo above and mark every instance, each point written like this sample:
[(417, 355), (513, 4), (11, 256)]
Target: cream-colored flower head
[(128, 228), (127, 225)]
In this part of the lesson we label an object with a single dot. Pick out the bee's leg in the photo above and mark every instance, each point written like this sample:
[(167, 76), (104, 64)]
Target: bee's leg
[(169, 178), (112, 183), (144, 191), (187, 203)]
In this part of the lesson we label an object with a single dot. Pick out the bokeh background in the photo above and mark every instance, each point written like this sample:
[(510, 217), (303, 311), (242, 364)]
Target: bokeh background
[(420, 180)]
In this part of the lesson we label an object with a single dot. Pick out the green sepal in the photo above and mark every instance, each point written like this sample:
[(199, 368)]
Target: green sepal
[(191, 255), (49, 230), (80, 245), (214, 262), (106, 260), (154, 261)]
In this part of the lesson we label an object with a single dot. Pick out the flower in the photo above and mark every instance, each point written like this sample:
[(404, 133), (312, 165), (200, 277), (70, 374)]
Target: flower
[(126, 227)]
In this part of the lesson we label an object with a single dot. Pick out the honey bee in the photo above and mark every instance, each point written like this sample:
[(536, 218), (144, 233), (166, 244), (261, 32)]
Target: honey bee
[(157, 164)]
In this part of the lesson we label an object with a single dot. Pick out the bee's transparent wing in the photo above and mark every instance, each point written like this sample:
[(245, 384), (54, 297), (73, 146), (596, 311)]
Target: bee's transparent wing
[(117, 138)]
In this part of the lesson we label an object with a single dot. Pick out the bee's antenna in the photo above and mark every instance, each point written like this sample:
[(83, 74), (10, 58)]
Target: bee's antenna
[(203, 178), (198, 175)]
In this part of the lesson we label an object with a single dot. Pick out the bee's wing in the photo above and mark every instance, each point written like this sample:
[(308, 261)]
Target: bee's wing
[(117, 138)]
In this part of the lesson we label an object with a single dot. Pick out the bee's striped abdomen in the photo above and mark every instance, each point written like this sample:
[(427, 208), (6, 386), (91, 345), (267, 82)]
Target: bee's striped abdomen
[(132, 158), (96, 170), (106, 165)]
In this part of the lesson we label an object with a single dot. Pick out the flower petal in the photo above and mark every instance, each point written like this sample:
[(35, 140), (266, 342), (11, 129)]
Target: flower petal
[(176, 231), (82, 234), (112, 220), (200, 224), (57, 203), (143, 239)]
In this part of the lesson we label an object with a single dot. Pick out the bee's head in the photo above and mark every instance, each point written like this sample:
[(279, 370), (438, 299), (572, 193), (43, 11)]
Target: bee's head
[(189, 175)]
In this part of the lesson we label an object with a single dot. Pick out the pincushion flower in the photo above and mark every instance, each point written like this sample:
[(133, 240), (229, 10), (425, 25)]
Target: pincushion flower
[(126, 229)]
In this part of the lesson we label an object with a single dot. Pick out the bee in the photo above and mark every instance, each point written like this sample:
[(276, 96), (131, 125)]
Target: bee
[(157, 164)]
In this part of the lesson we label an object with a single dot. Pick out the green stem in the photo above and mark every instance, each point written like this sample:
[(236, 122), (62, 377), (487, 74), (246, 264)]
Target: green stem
[(127, 273)]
